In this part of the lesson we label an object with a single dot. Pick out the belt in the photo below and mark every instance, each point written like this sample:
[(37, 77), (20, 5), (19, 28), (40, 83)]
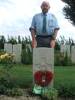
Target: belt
[(44, 36)]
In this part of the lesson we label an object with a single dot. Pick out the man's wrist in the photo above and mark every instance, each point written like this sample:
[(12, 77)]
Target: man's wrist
[(53, 37)]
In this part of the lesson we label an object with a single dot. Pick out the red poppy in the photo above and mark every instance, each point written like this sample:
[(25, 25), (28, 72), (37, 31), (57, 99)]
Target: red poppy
[(43, 78)]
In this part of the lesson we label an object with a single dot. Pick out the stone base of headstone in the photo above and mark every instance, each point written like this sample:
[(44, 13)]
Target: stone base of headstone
[(43, 59)]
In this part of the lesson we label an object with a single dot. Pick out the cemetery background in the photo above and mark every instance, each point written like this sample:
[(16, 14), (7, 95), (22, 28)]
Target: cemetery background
[(64, 75), (22, 73), (64, 51)]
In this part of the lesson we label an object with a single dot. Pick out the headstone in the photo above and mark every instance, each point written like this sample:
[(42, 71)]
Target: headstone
[(68, 50), (43, 60), (8, 47), (17, 49), (73, 54), (62, 48), (65, 49)]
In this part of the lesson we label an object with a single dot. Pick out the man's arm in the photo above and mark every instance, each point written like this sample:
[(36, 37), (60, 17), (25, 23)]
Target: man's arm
[(56, 28), (52, 42), (33, 32), (55, 33), (34, 42)]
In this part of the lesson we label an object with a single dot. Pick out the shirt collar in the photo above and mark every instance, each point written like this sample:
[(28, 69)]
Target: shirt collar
[(43, 14)]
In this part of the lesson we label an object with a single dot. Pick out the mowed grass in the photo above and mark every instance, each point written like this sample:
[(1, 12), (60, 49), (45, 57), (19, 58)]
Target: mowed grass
[(23, 75), (64, 76)]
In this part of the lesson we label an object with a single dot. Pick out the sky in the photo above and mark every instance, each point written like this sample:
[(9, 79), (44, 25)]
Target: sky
[(16, 17)]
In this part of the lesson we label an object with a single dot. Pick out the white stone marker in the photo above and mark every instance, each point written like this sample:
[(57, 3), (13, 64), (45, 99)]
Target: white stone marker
[(17, 49), (43, 59), (73, 54), (64, 49), (8, 47)]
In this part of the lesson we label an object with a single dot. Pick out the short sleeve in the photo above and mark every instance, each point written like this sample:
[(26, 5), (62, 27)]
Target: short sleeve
[(33, 24), (55, 24)]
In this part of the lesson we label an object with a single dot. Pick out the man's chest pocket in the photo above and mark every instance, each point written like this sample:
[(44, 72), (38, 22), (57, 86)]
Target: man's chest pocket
[(38, 24), (50, 23)]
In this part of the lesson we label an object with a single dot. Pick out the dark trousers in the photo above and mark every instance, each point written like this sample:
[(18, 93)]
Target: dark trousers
[(43, 41)]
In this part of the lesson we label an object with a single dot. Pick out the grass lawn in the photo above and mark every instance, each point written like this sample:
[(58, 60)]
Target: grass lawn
[(64, 76), (23, 75)]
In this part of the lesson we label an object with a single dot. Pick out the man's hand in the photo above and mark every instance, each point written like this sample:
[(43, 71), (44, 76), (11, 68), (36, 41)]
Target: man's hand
[(34, 43), (52, 43)]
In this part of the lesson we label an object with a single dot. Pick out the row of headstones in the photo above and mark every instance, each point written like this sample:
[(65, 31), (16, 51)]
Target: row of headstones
[(17, 50), (70, 50), (14, 49)]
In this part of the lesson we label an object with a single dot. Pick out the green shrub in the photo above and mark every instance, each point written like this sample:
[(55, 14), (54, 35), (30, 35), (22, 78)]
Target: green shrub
[(6, 81), (61, 59), (66, 90), (26, 56), (2, 52), (51, 94), (2, 89), (58, 58), (67, 60)]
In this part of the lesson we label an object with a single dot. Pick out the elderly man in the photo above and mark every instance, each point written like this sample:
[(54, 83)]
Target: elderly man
[(44, 28)]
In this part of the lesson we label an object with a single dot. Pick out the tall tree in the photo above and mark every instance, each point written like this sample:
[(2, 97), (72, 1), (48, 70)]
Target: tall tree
[(69, 10), (2, 41)]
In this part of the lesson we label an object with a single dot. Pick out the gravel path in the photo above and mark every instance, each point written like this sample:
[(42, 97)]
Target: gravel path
[(19, 98), (27, 95), (2, 97)]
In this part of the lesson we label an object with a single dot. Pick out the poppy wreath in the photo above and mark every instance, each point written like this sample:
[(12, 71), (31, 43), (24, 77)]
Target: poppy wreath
[(43, 78)]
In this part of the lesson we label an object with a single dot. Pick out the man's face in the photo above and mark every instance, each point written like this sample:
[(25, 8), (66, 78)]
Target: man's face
[(45, 7)]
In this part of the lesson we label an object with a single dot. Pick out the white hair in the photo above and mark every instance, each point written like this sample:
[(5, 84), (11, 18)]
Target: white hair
[(45, 2)]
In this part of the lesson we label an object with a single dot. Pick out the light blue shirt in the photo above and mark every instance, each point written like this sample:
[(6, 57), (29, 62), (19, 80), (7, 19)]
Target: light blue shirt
[(51, 23)]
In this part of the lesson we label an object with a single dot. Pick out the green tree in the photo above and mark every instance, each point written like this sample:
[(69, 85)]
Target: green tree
[(12, 40), (69, 10), (19, 39), (2, 41)]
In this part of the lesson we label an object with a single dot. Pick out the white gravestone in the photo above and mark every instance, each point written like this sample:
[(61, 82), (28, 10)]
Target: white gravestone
[(65, 49), (43, 59), (17, 49), (68, 50), (62, 48), (8, 47), (73, 54)]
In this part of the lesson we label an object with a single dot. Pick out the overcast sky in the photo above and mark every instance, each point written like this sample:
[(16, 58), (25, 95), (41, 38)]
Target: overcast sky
[(16, 17)]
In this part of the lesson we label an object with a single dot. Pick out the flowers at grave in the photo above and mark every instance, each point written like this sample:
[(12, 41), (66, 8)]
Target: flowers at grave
[(43, 78), (6, 57)]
